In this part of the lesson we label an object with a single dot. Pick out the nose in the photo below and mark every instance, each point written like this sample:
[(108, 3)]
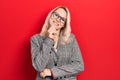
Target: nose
[(58, 19)]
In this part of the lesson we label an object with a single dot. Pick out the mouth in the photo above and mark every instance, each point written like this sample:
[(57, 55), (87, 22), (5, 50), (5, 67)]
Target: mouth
[(55, 23)]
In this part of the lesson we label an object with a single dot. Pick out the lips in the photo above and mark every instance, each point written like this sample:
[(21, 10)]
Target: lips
[(55, 23)]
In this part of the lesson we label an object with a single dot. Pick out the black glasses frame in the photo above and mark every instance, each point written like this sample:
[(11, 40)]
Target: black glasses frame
[(56, 16)]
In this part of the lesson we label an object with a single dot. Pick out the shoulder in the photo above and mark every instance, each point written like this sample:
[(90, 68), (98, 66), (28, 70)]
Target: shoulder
[(72, 36), (36, 37)]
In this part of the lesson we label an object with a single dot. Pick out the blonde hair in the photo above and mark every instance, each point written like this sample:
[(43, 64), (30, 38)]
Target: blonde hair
[(65, 31)]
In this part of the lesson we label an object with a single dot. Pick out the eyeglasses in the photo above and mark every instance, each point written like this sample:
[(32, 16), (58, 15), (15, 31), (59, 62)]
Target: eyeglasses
[(56, 16)]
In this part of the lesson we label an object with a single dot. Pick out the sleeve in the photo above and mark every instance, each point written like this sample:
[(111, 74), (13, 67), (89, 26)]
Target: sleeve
[(76, 66), (40, 51)]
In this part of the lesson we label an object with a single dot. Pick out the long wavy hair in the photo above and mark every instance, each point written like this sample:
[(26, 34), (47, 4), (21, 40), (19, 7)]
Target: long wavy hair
[(65, 31)]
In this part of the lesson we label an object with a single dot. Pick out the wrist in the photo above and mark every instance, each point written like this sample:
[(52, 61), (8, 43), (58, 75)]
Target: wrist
[(50, 38)]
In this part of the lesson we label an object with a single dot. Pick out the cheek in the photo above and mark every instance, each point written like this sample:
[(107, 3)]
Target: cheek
[(61, 26), (50, 21)]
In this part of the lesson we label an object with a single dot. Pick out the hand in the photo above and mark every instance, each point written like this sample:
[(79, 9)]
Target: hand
[(46, 72), (52, 33)]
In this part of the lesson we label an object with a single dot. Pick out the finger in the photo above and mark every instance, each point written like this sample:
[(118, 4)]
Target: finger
[(49, 29), (42, 74), (53, 33), (52, 29)]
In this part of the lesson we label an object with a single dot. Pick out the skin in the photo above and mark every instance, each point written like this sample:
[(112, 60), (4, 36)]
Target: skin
[(53, 33)]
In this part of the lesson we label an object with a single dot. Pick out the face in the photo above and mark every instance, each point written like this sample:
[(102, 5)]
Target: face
[(58, 18)]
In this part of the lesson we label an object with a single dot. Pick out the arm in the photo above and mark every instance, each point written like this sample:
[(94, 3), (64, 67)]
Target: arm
[(40, 51), (76, 65)]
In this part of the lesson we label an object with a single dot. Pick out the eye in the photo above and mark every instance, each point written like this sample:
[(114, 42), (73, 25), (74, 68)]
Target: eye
[(56, 15), (62, 20)]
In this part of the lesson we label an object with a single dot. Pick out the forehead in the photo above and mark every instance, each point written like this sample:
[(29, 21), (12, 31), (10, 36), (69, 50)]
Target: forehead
[(61, 12)]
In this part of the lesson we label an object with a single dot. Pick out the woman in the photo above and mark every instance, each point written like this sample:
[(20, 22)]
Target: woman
[(55, 51)]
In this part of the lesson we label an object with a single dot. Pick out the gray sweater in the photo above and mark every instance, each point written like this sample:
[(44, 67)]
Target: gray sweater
[(64, 64)]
